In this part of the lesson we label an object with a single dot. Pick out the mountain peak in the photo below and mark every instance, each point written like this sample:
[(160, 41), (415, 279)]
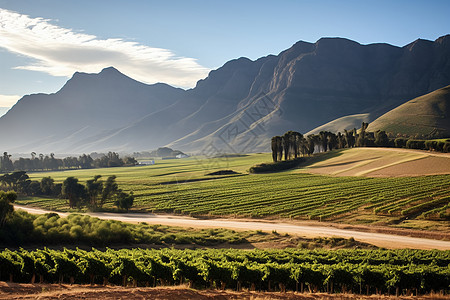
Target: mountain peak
[(237, 62), (107, 77), (443, 40), (105, 71), (418, 44), (329, 42), (110, 70)]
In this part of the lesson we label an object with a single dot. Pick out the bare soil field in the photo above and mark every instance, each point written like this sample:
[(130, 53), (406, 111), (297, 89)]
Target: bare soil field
[(63, 291), (383, 162), (427, 165)]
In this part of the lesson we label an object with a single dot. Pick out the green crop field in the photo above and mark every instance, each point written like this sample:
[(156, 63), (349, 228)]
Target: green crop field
[(359, 271), (182, 186)]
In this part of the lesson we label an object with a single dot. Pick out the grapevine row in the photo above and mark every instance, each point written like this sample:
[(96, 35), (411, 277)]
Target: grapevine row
[(359, 271)]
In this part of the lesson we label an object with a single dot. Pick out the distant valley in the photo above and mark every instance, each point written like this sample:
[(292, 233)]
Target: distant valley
[(334, 83)]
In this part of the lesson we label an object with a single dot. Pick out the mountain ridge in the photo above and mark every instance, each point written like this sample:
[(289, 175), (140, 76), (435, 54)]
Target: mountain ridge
[(237, 107)]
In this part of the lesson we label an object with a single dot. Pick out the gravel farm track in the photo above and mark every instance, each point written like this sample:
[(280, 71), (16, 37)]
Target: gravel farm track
[(308, 229)]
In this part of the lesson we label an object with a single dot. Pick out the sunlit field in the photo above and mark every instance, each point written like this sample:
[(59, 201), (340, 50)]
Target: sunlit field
[(183, 187)]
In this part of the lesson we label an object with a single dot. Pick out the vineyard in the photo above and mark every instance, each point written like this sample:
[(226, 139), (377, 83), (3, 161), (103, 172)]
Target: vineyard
[(183, 187), (304, 196), (358, 271)]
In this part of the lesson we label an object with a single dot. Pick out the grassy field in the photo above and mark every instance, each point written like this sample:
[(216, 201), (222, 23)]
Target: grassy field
[(182, 186)]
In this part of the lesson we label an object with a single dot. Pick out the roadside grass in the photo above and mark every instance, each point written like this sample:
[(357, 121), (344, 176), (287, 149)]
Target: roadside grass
[(26, 230)]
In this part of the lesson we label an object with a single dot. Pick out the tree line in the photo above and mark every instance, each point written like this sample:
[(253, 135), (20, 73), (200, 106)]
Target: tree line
[(49, 162), (293, 144), (94, 194)]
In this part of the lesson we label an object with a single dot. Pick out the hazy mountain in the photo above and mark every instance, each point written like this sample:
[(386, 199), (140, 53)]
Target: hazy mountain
[(427, 116), (88, 106), (237, 108)]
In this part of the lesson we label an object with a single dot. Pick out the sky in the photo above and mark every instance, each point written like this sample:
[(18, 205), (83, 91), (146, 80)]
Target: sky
[(43, 42)]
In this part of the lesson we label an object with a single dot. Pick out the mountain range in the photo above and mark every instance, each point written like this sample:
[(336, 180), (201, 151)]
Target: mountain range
[(237, 108)]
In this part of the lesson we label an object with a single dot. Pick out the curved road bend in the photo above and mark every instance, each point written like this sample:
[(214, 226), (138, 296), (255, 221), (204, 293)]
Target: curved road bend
[(390, 241)]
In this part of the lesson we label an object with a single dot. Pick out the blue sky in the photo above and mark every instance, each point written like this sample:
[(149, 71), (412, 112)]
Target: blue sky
[(43, 42)]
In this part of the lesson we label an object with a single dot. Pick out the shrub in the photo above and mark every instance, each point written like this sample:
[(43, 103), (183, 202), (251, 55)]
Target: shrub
[(400, 142), (430, 145), (124, 200), (6, 207), (276, 166), (446, 147), (415, 144)]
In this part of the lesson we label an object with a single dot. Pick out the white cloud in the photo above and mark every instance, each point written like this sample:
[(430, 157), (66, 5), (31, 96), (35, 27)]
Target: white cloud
[(8, 100), (61, 52)]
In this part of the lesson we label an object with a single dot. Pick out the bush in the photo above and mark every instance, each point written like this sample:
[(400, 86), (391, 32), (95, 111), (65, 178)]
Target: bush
[(22, 228), (400, 143), (415, 144), (223, 172), (6, 207), (124, 200), (446, 147), (440, 146), (276, 166)]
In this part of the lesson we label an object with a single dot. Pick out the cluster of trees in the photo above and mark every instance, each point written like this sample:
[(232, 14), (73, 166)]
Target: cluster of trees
[(293, 144), (160, 152), (50, 162), (432, 145), (21, 183), (93, 194), (356, 271)]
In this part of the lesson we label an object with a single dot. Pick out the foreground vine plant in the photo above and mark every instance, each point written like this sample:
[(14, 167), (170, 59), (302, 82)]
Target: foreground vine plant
[(357, 271)]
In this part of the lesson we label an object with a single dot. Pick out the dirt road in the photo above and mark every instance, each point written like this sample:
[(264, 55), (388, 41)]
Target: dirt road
[(10, 291), (390, 241)]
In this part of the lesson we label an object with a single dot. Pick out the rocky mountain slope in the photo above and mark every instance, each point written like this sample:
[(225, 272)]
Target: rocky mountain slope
[(237, 108)]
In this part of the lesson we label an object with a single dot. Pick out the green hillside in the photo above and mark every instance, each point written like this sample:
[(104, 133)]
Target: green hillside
[(427, 116)]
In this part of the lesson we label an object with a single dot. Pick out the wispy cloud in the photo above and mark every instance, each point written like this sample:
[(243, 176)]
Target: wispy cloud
[(61, 52)]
